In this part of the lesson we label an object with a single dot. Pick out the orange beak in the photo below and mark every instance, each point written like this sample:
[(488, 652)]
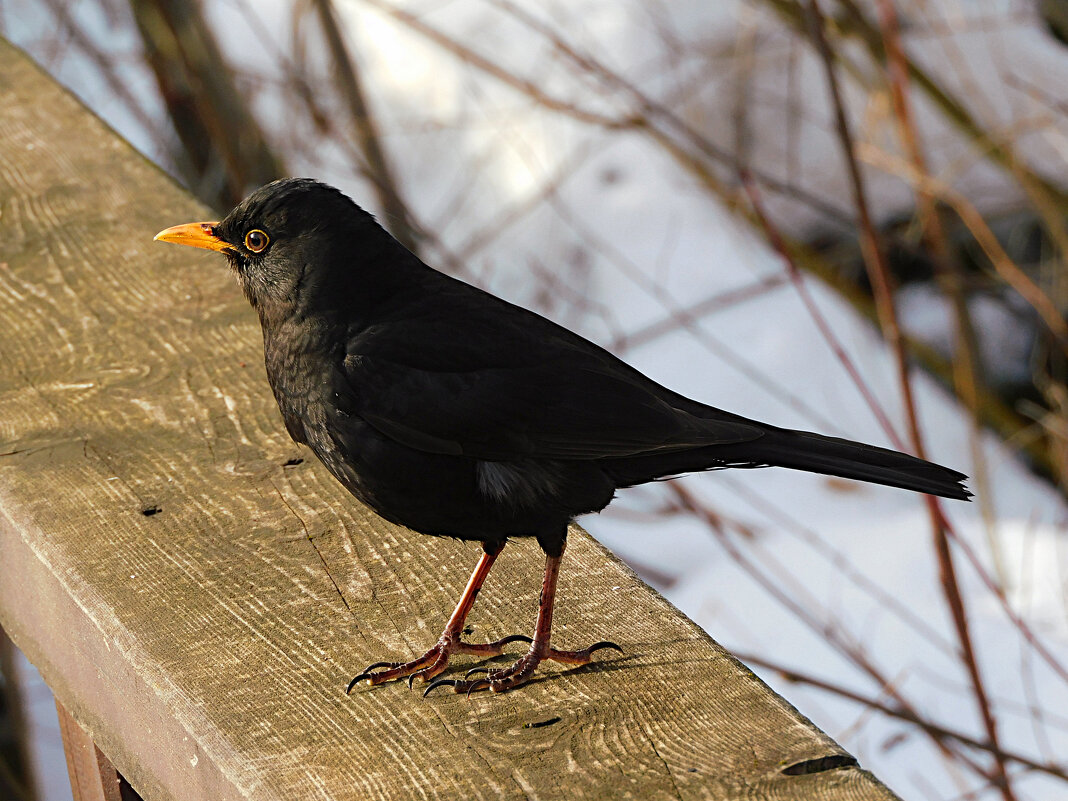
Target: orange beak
[(197, 235)]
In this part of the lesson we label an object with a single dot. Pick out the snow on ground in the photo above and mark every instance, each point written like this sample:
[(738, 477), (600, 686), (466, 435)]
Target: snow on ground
[(627, 233)]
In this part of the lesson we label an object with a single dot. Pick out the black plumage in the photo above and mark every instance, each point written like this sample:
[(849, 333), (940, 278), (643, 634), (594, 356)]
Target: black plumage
[(455, 413)]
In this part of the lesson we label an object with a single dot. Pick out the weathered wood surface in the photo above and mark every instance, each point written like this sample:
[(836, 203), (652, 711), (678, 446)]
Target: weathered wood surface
[(198, 605)]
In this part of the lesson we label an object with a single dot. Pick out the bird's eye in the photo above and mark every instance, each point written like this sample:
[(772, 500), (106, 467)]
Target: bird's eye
[(257, 240)]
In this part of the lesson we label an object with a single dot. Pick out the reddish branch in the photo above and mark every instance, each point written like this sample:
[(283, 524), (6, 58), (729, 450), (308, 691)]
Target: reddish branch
[(774, 586), (933, 729), (779, 243), (879, 275), (967, 370)]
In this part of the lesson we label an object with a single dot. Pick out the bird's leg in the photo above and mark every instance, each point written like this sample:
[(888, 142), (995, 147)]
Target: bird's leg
[(540, 648), (436, 659)]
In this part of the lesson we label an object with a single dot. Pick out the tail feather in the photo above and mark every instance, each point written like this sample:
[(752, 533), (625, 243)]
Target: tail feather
[(799, 450), (802, 450)]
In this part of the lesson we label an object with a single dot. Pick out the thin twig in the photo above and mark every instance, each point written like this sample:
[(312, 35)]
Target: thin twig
[(935, 730), (379, 169), (783, 520), (774, 586), (721, 300), (967, 372), (225, 151), (879, 274), (779, 244), (688, 322), (1002, 263)]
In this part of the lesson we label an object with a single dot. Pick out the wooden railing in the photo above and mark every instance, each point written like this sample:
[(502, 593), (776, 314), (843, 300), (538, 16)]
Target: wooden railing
[(197, 596)]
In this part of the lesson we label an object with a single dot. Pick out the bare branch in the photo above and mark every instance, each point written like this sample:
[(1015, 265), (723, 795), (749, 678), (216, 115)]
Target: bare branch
[(379, 170), (934, 730), (879, 273)]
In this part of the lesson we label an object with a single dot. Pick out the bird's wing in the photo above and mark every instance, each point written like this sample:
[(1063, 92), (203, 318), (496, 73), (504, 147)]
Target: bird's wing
[(562, 402)]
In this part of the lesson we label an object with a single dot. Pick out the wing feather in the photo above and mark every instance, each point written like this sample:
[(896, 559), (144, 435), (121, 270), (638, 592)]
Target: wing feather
[(546, 411)]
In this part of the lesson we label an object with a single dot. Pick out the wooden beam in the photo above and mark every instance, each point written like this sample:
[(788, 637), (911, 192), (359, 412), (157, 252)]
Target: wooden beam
[(92, 776), (198, 600)]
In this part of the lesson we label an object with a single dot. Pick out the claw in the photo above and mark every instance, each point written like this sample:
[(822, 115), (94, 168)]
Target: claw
[(475, 670), (432, 662), (378, 665), (439, 683), (367, 673), (481, 684), (603, 644), (514, 638)]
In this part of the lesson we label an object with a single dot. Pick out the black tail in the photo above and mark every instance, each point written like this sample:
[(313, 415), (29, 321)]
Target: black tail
[(800, 450), (815, 453)]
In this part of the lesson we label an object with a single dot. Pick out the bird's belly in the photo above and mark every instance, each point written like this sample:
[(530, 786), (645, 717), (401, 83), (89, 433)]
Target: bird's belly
[(455, 496)]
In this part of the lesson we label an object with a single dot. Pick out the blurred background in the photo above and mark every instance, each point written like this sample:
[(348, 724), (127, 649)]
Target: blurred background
[(840, 215)]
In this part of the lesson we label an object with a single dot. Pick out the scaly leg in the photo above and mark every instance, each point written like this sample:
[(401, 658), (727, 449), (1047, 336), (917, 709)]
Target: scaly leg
[(436, 659), (520, 673)]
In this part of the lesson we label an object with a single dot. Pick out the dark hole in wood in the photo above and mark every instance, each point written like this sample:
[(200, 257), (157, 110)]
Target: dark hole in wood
[(820, 765), (148, 511), (126, 792), (293, 462), (541, 723)]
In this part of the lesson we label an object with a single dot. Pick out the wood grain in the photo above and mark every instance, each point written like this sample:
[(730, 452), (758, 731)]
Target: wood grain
[(199, 606)]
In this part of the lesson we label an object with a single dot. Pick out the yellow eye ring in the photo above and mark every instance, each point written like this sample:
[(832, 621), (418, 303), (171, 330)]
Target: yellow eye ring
[(257, 240)]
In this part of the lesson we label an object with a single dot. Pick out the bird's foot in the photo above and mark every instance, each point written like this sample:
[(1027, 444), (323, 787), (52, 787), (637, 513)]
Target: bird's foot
[(433, 661), (520, 673)]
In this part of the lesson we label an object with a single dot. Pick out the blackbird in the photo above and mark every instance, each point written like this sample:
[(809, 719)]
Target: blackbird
[(455, 413)]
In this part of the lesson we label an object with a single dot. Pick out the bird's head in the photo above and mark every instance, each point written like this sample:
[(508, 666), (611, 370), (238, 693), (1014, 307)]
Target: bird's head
[(289, 241)]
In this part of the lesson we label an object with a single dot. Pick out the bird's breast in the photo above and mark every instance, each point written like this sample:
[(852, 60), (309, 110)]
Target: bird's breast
[(299, 371)]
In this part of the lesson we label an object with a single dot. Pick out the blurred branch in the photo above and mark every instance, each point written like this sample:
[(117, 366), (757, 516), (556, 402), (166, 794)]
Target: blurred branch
[(645, 115), (1056, 15), (526, 87), (776, 240), (1002, 263), (993, 412), (1029, 635), (1049, 200), (842, 563), (856, 25), (378, 169), (934, 730), (105, 64), (688, 145), (490, 230), (18, 772), (776, 586), (685, 321), (637, 337), (879, 274), (225, 153), (967, 372)]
